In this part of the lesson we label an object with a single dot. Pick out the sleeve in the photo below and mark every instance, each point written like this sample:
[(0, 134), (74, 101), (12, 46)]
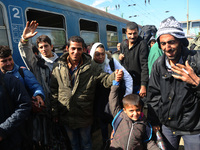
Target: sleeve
[(153, 96), (54, 93), (144, 52), (127, 78), (105, 78), (22, 105), (113, 100), (28, 56), (32, 84)]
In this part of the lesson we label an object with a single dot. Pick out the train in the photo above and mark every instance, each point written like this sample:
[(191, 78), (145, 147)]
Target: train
[(59, 19)]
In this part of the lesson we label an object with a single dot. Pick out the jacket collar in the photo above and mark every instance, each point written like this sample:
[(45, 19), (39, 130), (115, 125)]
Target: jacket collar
[(164, 72)]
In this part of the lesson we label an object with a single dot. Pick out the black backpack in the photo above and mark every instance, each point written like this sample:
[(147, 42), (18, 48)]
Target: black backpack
[(148, 31)]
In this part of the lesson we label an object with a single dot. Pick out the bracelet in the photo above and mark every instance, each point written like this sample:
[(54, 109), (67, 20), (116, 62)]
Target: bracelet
[(25, 40)]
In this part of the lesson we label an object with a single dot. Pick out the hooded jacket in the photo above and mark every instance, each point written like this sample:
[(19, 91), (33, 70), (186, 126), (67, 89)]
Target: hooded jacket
[(173, 102), (15, 107), (74, 105), (129, 135), (30, 82), (40, 67)]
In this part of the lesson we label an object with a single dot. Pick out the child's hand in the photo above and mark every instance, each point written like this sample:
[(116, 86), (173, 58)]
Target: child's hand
[(119, 75)]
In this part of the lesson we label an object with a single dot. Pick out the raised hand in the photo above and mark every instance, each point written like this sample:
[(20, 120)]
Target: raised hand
[(29, 30), (186, 74)]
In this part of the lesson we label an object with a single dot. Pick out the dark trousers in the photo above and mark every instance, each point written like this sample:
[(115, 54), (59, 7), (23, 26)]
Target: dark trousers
[(191, 142)]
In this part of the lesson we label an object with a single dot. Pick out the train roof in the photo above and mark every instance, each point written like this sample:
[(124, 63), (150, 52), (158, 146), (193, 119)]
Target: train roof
[(80, 6)]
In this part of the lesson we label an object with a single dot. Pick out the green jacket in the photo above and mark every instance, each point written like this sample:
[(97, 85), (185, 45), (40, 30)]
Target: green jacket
[(154, 53), (74, 105)]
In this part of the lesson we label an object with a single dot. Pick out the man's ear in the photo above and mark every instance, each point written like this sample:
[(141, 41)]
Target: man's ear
[(52, 47), (67, 48)]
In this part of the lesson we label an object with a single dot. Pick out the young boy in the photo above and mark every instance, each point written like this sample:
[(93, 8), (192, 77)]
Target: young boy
[(130, 128)]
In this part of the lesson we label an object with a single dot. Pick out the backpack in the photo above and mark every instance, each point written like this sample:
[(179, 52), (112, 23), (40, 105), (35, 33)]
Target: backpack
[(195, 44), (148, 31)]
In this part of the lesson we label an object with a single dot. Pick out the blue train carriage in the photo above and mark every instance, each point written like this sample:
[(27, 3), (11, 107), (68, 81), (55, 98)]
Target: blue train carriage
[(59, 19)]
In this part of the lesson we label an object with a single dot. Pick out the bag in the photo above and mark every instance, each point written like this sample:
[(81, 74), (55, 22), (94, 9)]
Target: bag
[(195, 44), (148, 31)]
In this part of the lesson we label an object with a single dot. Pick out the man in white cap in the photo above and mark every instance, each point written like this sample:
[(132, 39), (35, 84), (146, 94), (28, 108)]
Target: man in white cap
[(174, 89)]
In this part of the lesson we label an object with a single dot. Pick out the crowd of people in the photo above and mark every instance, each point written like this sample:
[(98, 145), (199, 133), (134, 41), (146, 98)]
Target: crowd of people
[(57, 102)]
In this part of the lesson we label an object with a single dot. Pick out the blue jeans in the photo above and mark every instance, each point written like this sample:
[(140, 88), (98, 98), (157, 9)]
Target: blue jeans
[(191, 142), (80, 138)]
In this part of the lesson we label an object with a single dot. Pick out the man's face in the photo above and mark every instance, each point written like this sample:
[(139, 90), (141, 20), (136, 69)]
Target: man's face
[(75, 51), (133, 112), (45, 49), (118, 46), (6, 64), (171, 46), (132, 35), (99, 55)]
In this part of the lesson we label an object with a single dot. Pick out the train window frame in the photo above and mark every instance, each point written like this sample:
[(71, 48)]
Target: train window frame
[(6, 26), (108, 32), (123, 34), (57, 47), (88, 31)]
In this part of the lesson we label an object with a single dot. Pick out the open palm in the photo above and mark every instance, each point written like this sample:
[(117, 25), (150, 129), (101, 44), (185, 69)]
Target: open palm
[(29, 30)]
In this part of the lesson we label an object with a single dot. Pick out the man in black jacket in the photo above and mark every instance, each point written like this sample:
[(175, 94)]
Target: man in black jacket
[(134, 57), (174, 89), (15, 106)]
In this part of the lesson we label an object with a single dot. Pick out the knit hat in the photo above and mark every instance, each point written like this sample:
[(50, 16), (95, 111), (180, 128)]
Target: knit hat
[(173, 27)]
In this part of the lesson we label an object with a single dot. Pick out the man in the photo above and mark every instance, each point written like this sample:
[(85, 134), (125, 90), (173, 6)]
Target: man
[(8, 66), (73, 84), (41, 65), (134, 57), (116, 53), (174, 93), (15, 107)]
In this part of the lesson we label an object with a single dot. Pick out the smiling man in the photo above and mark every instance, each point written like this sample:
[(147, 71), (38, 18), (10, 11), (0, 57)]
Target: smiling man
[(173, 92), (134, 57), (73, 83)]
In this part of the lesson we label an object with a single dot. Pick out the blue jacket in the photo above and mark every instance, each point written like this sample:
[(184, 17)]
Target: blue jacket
[(30, 82), (15, 106)]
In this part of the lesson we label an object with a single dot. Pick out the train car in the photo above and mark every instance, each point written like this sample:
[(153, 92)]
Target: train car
[(59, 19)]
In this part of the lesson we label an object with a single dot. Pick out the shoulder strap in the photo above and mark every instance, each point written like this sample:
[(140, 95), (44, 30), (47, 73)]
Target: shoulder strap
[(116, 121), (149, 132), (21, 72), (112, 66)]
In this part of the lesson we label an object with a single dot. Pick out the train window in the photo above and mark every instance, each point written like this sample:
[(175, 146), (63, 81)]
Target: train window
[(123, 34), (50, 24), (3, 33), (89, 31), (112, 37)]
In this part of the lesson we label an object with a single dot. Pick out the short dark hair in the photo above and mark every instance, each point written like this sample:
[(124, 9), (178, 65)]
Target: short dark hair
[(132, 99), (132, 26), (77, 39), (43, 38), (5, 51)]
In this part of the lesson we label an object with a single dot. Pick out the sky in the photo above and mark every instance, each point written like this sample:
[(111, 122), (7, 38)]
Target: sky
[(151, 13)]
